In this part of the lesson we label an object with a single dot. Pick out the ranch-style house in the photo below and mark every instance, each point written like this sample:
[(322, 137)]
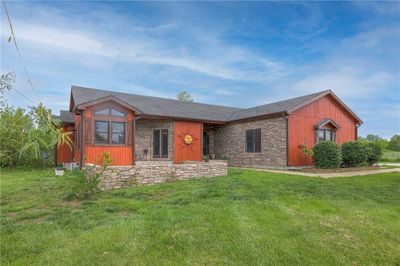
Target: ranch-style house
[(132, 128)]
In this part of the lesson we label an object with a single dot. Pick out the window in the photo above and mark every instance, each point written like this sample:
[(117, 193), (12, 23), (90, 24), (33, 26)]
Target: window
[(109, 112), (105, 111), (253, 140), (116, 113), (160, 143), (325, 135), (103, 134), (118, 133)]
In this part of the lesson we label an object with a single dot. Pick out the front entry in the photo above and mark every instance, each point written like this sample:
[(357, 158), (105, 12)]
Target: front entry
[(188, 138)]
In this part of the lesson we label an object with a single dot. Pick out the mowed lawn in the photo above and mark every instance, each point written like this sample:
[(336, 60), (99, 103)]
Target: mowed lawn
[(246, 218)]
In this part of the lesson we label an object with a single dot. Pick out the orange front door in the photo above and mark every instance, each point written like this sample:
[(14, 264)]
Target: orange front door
[(187, 141)]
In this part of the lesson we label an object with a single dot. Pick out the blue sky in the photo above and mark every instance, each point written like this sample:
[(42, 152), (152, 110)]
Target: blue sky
[(230, 53)]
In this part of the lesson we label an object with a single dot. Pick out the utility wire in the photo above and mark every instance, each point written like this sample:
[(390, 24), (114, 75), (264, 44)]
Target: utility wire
[(19, 55), (27, 98)]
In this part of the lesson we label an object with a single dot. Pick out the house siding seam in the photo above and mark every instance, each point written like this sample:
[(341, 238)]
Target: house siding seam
[(229, 141), (144, 138)]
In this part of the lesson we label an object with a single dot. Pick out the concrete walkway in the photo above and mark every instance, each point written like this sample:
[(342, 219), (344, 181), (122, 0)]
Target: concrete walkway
[(324, 175)]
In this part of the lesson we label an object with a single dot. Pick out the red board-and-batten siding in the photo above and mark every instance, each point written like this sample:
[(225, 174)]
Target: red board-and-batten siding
[(301, 125)]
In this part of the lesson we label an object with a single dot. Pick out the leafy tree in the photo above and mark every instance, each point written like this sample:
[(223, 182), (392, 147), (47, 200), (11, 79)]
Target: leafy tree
[(23, 135), (184, 96), (371, 138), (394, 143), (7, 81), (14, 124), (47, 133)]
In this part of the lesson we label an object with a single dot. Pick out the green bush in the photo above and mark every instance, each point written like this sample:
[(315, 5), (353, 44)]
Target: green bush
[(394, 143), (327, 155), (354, 154), (374, 152), (86, 183)]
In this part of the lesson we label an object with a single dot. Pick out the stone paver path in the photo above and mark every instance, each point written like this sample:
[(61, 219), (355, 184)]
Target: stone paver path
[(324, 175)]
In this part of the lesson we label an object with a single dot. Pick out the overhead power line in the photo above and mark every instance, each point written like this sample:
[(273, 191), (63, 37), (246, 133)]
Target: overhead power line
[(26, 97), (19, 55)]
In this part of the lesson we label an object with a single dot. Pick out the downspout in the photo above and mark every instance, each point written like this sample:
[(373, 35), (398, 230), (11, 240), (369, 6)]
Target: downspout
[(81, 140), (356, 131), (133, 138), (287, 138)]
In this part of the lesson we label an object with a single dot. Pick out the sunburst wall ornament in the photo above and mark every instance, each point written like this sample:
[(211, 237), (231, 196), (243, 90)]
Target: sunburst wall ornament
[(188, 139)]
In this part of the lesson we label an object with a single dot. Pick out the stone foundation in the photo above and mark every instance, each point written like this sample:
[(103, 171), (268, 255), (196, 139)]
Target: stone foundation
[(147, 173)]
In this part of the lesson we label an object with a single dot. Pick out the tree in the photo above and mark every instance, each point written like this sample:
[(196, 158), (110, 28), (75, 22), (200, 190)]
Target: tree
[(371, 138), (394, 143), (47, 132), (23, 135), (14, 123), (7, 81), (184, 96)]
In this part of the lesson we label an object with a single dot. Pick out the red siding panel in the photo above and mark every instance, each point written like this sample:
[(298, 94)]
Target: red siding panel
[(183, 151), (301, 127), (65, 154), (120, 155)]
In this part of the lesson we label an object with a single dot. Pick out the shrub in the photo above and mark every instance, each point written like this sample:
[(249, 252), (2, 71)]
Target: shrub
[(87, 181), (354, 154), (374, 152), (327, 155)]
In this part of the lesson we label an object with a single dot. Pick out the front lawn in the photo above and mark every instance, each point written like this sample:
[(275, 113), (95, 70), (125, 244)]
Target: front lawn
[(249, 218)]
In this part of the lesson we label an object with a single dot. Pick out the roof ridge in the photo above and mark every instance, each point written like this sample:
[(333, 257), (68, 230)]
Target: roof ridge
[(154, 97)]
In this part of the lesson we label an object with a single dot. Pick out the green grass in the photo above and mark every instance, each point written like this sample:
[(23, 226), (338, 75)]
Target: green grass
[(246, 218)]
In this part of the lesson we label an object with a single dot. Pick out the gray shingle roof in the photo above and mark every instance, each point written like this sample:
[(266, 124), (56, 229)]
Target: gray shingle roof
[(66, 116), (156, 106), (271, 108)]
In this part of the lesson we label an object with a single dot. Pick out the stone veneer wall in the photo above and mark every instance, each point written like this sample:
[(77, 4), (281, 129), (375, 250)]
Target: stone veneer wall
[(144, 138), (146, 173), (230, 141)]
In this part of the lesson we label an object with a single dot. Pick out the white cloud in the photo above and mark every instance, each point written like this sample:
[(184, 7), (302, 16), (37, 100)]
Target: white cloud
[(53, 37), (232, 62)]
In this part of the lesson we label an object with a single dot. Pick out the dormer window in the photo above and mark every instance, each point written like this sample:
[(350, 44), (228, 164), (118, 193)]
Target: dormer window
[(326, 130), (109, 111)]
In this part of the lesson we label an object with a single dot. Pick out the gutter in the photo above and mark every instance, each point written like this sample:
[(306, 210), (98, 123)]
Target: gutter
[(285, 116), (81, 113)]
